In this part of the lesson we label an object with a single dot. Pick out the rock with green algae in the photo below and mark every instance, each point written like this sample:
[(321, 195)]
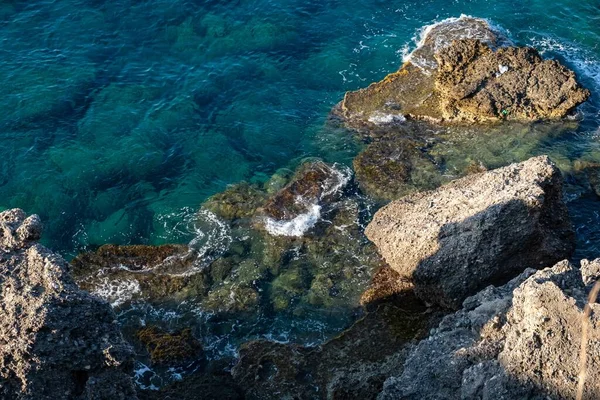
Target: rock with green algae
[(124, 273), (169, 347), (420, 156), (237, 201), (353, 365), (389, 169)]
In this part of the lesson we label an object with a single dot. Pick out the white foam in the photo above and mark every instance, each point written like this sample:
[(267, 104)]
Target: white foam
[(379, 118), (443, 40), (117, 292), (295, 227), (339, 176)]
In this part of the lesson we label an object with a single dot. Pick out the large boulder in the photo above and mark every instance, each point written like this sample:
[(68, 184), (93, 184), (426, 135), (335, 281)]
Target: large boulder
[(475, 231), (56, 341), (518, 341)]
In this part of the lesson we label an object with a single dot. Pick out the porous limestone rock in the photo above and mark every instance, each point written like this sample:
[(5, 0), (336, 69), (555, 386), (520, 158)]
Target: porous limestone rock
[(518, 341), (460, 73), (56, 341), (475, 231)]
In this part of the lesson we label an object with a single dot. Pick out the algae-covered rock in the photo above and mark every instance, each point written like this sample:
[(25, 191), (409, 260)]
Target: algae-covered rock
[(389, 169), (353, 365), (168, 348), (477, 230), (58, 342), (313, 184), (121, 274), (237, 201)]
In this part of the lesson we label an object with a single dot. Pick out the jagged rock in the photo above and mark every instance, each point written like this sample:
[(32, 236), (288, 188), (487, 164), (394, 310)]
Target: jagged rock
[(475, 231), (297, 206), (56, 341), (518, 341), (456, 76), (477, 84)]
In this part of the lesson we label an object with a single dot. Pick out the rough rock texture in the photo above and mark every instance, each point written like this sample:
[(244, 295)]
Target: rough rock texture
[(314, 183), (169, 347), (56, 341), (518, 341), (477, 84), (475, 231), (455, 76), (388, 169)]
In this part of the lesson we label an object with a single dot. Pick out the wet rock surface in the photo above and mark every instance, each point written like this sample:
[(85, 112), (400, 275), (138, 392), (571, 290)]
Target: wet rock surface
[(121, 274), (520, 340), (353, 365), (475, 231), (58, 342), (455, 76)]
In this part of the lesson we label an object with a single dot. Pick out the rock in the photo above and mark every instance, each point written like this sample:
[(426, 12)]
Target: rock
[(475, 231), (389, 169), (120, 274), (521, 340), (217, 385), (477, 84), (168, 348), (446, 365), (455, 76), (58, 342), (297, 207), (238, 201), (352, 365)]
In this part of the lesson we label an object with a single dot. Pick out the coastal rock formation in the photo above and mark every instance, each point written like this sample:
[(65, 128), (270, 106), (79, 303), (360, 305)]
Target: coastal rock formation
[(297, 207), (56, 341), (477, 84), (475, 231), (455, 76), (518, 341)]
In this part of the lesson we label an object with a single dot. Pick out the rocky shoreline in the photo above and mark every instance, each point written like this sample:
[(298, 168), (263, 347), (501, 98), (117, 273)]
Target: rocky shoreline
[(458, 288)]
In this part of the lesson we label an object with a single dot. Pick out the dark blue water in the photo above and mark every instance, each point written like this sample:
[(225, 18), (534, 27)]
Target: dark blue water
[(119, 118)]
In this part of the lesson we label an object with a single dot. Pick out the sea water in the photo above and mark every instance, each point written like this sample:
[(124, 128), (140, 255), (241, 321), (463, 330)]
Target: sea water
[(119, 118)]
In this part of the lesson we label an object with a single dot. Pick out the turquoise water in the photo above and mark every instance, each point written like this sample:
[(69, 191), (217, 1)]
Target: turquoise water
[(119, 118)]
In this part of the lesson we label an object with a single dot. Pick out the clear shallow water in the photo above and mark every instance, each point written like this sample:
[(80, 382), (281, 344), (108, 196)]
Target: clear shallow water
[(117, 117), (120, 118)]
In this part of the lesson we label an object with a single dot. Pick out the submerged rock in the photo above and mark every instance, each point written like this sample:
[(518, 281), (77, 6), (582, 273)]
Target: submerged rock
[(168, 348), (475, 231), (58, 342), (353, 365), (521, 340), (456, 76), (120, 274)]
